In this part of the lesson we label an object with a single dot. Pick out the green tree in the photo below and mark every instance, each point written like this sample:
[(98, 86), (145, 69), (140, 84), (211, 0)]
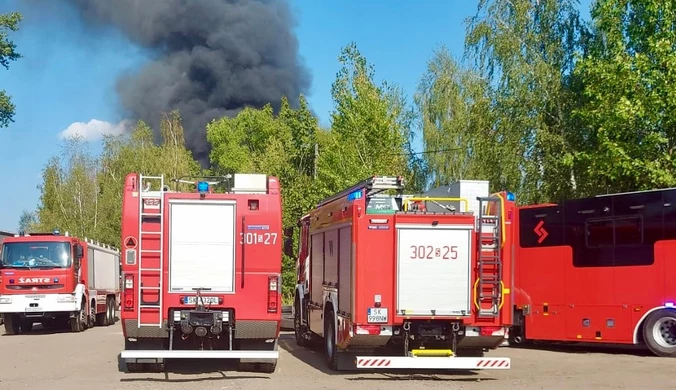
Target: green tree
[(8, 22), (454, 108), (370, 126), (70, 190), (83, 194), (628, 100), (28, 221), (526, 50), (282, 145)]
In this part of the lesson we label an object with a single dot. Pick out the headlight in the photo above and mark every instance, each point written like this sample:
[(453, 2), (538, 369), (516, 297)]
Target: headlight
[(5, 299), (65, 298)]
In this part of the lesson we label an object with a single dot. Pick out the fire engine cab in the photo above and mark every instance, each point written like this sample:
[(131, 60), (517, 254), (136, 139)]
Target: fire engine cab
[(201, 270), (57, 280), (389, 280)]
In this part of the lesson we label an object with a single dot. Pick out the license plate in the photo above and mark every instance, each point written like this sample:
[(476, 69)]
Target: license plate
[(33, 309), (377, 314), (205, 300), (35, 296)]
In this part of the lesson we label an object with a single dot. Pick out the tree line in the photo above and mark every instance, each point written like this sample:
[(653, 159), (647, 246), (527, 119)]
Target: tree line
[(542, 104)]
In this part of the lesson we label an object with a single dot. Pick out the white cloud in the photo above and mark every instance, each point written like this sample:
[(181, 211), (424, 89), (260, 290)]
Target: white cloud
[(95, 129)]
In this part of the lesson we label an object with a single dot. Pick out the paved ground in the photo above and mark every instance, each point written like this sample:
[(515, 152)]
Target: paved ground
[(41, 360)]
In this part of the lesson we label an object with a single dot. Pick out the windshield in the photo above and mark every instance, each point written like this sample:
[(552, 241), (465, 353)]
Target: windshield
[(36, 255)]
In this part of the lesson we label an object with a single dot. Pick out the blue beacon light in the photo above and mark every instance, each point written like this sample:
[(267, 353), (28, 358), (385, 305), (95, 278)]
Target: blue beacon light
[(511, 197), (354, 195), (202, 187)]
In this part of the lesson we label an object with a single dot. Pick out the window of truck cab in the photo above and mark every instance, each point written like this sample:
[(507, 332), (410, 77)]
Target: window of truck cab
[(36, 255)]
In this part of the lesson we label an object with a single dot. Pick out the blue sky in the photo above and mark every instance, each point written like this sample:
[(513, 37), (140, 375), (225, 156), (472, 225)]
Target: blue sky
[(66, 77)]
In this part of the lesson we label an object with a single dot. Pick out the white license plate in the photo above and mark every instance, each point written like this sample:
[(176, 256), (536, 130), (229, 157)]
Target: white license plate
[(377, 314), (33, 309), (35, 296), (205, 300)]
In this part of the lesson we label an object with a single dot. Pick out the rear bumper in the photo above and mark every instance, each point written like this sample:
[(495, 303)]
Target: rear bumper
[(462, 363), (198, 354)]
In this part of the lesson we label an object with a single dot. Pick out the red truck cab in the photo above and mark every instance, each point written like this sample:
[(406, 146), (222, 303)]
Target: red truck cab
[(48, 278)]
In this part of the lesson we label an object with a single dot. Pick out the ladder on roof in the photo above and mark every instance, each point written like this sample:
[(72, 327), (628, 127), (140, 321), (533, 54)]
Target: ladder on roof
[(489, 259), (372, 185), (147, 193)]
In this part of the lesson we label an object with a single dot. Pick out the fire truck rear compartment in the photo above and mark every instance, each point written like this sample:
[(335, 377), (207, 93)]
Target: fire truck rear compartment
[(201, 246), (433, 269)]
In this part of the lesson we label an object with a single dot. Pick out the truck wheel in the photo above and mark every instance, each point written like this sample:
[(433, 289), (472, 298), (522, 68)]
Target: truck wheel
[(330, 340), (11, 324), (659, 332), (110, 313), (298, 329), (91, 320), (77, 324)]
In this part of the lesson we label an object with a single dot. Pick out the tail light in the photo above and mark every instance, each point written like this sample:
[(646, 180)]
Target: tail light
[(273, 293), (128, 292)]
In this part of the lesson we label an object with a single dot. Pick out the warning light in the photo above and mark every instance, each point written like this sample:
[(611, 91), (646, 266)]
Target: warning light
[(511, 197), (56, 232), (202, 187), (354, 195)]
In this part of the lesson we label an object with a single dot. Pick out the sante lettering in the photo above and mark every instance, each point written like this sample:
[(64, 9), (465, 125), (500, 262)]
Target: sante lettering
[(35, 280)]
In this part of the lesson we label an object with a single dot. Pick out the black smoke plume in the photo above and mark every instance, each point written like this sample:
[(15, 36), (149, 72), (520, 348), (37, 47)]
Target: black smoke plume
[(211, 58)]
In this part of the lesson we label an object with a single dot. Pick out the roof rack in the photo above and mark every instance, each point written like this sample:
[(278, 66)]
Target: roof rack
[(372, 186)]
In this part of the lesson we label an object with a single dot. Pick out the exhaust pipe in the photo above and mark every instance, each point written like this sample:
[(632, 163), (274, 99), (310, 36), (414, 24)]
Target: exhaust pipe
[(518, 339)]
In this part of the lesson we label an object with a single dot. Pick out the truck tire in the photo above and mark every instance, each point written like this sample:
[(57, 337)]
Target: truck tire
[(110, 312), (109, 319), (78, 323), (91, 319), (659, 332), (330, 340), (298, 329), (11, 324)]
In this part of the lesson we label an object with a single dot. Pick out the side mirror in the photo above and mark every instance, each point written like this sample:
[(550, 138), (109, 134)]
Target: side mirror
[(79, 254), (288, 241)]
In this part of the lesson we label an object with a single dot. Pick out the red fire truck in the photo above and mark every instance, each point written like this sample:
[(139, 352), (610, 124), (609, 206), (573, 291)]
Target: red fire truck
[(388, 283), (598, 270), (57, 280), (201, 270)]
